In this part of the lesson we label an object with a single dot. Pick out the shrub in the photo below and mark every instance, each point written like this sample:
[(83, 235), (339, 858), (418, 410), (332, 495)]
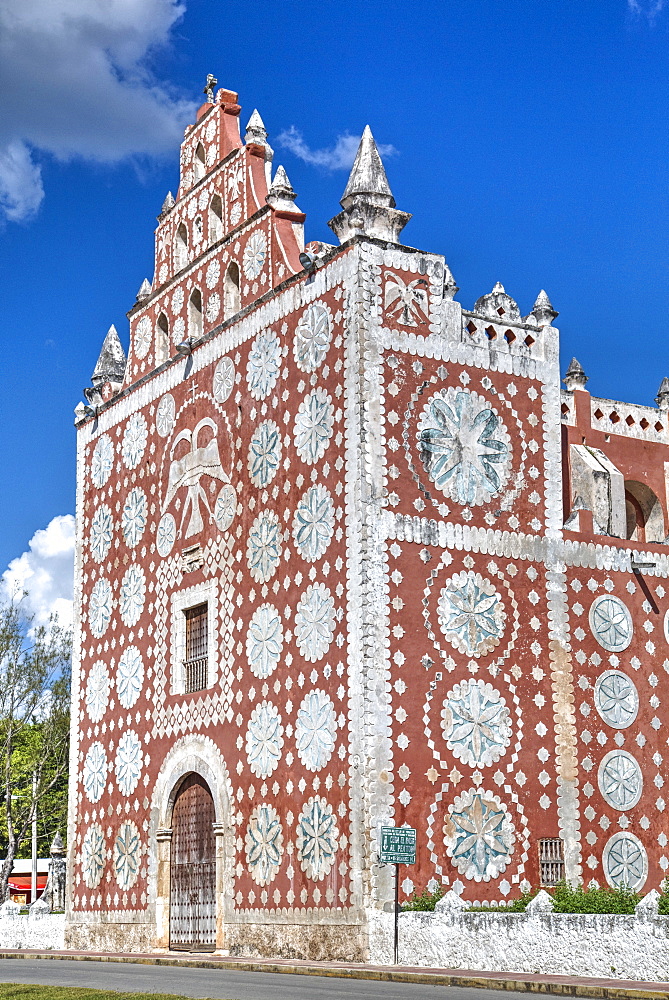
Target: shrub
[(426, 901), (567, 899), (663, 901)]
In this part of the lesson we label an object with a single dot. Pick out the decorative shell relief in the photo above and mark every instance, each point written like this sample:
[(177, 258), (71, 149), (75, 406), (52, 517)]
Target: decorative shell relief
[(314, 523), (264, 453), (134, 441), (620, 780), (264, 640), (102, 532), (317, 838), (129, 762), (224, 379), (616, 699), (134, 516), (143, 337), (102, 462), (166, 534), (312, 337), (315, 730), (264, 739), (264, 364), (94, 772), (313, 426), (476, 723), (254, 256), (97, 691), (264, 844), (625, 861), (166, 415), (93, 856), (611, 623), (464, 446), (479, 835), (127, 855), (471, 614)]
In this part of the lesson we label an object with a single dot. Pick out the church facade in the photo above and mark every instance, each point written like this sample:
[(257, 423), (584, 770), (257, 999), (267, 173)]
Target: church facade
[(349, 556)]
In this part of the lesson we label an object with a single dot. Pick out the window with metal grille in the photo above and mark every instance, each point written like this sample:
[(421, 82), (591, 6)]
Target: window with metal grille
[(196, 659), (551, 861)]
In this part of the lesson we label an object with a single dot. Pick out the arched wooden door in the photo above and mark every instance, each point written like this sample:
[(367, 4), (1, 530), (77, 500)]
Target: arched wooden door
[(193, 869)]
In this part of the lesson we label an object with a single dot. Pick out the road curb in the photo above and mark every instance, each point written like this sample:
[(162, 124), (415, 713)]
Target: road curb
[(429, 977)]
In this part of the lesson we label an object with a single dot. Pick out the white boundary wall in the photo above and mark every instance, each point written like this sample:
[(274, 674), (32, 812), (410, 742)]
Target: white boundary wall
[(36, 929), (594, 944)]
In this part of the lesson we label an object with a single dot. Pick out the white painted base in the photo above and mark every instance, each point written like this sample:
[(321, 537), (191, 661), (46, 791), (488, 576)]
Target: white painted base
[(45, 933), (598, 945)]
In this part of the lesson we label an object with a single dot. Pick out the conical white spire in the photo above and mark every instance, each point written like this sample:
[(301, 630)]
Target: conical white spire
[(255, 130), (368, 175), (168, 203), (281, 195), (111, 363), (144, 290), (575, 377), (368, 203), (662, 398), (542, 309)]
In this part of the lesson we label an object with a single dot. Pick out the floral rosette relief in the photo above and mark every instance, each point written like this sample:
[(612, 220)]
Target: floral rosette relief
[(479, 835), (464, 446), (475, 723), (471, 614)]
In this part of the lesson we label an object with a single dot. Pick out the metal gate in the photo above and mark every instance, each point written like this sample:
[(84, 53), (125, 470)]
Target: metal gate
[(193, 869)]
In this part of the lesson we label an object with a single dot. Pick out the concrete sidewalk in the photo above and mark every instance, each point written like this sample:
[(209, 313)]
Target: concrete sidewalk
[(520, 982)]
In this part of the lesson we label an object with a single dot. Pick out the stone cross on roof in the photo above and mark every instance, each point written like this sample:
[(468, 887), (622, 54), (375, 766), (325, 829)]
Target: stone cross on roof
[(209, 87)]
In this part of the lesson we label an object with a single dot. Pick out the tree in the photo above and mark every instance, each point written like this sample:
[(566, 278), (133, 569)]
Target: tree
[(35, 675)]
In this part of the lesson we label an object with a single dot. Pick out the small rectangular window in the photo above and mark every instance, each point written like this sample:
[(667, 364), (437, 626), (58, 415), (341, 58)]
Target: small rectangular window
[(196, 659), (551, 861)]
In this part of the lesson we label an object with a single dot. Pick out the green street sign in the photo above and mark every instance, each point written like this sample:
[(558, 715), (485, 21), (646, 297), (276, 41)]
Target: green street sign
[(398, 845)]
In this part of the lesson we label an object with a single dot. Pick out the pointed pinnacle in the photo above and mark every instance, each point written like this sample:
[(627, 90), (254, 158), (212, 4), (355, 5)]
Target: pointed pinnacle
[(368, 175), (281, 182), (111, 361), (450, 287), (255, 129), (168, 203), (543, 310), (144, 290), (662, 398), (575, 377), (281, 194), (498, 289)]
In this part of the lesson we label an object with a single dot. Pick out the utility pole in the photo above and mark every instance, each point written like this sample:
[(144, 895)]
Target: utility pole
[(33, 878)]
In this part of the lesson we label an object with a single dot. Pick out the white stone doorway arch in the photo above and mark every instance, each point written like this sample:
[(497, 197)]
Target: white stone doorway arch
[(190, 755)]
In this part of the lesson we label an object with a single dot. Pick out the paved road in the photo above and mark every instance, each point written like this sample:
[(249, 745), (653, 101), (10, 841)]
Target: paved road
[(224, 984)]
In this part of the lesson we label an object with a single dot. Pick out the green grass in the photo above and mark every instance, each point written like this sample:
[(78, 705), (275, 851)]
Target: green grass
[(19, 991)]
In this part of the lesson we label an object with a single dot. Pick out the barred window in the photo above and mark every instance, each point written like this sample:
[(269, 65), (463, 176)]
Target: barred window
[(196, 659), (551, 861)]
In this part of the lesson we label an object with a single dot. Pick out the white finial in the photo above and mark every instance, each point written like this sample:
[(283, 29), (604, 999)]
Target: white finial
[(281, 195), (542, 310), (450, 287), (575, 377), (144, 291), (662, 398), (255, 130), (368, 203), (168, 203), (111, 363)]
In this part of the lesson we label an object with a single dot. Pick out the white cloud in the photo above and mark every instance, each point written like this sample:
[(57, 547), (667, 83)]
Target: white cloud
[(647, 8), (45, 571), (337, 157), (76, 83)]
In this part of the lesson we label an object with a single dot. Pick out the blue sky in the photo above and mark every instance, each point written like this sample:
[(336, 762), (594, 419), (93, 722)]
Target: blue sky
[(530, 144)]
